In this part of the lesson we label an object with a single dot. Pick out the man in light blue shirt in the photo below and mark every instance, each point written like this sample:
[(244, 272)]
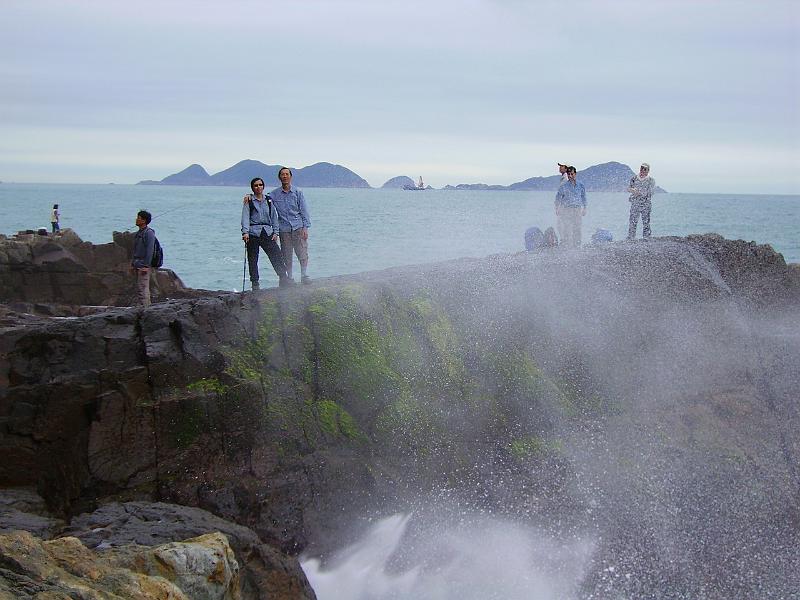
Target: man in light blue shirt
[(570, 207), (294, 220), (260, 230)]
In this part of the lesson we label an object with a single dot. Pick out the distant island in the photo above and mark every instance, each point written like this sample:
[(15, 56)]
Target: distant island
[(397, 183), (606, 177), (322, 174)]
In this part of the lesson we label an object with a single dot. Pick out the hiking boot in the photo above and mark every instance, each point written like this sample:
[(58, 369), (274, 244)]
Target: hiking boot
[(305, 279), (255, 286), (286, 282)]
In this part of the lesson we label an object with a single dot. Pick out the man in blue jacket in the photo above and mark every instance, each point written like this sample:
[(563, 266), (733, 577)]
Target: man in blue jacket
[(260, 230), (143, 245), (570, 209)]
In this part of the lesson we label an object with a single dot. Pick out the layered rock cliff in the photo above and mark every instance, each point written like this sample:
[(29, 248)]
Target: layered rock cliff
[(644, 392), (61, 274)]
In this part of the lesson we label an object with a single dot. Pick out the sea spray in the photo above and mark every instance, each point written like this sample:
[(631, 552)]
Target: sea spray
[(404, 557)]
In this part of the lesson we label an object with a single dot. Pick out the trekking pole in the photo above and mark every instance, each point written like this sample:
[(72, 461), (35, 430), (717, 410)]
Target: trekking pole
[(244, 264)]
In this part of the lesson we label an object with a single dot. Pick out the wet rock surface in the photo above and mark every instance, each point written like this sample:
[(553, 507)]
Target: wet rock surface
[(642, 392), (127, 548), (202, 568)]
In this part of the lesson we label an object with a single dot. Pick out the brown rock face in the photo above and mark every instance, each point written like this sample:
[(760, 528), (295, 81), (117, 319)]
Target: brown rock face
[(200, 568)]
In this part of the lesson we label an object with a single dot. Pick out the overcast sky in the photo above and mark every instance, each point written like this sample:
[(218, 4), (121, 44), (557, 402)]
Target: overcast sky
[(461, 91)]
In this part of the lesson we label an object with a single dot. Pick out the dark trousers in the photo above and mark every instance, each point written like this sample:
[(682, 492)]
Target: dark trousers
[(273, 252), (639, 208)]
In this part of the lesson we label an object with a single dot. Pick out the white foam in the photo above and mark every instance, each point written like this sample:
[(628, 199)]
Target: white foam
[(479, 559)]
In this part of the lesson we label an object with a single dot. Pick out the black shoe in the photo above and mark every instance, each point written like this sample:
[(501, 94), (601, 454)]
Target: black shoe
[(305, 279), (286, 282), (255, 286)]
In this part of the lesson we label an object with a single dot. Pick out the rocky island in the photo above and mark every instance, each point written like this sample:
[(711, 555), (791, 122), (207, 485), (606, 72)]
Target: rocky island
[(643, 395)]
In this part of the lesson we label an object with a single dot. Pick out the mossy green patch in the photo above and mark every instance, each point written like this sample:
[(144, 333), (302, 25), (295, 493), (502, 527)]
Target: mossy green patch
[(443, 340), (351, 355), (247, 361), (534, 447), (336, 421), (210, 385), (521, 376), (412, 424)]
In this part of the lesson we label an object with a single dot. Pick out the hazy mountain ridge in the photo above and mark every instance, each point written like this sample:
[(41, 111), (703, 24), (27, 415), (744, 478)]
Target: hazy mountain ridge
[(607, 177), (322, 174)]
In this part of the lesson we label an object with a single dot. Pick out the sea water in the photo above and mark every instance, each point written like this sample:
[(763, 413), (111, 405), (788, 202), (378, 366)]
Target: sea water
[(355, 230)]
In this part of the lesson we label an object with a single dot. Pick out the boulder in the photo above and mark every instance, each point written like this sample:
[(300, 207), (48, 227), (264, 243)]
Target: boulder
[(203, 556), (198, 569), (265, 571)]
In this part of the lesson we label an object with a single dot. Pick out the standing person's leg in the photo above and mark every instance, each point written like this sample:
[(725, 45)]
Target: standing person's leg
[(633, 221), (577, 221), (252, 261), (301, 249), (646, 219), (143, 286), (564, 231), (275, 254), (287, 245)]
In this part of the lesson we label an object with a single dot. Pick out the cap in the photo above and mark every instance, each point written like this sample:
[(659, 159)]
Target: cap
[(563, 165), (646, 166)]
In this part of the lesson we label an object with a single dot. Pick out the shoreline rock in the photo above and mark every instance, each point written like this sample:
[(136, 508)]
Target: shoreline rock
[(139, 550), (50, 274)]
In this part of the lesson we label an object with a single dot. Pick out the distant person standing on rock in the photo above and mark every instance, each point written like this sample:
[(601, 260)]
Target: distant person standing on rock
[(295, 221), (260, 230), (641, 190), (570, 205), (144, 243), (54, 215)]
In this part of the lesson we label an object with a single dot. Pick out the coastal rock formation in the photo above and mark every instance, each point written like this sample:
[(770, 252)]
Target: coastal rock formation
[(140, 550), (643, 392), (203, 567), (51, 274)]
